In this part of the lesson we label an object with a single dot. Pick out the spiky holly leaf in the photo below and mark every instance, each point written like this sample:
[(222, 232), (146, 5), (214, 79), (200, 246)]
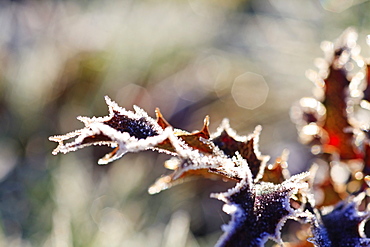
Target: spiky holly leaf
[(220, 163), (258, 211), (191, 162), (342, 227), (196, 139), (336, 121), (124, 130), (336, 91), (231, 144), (325, 120)]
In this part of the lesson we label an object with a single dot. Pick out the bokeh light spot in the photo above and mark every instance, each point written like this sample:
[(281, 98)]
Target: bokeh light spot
[(249, 90)]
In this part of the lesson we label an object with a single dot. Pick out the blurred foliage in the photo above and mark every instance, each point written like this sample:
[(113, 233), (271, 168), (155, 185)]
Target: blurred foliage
[(190, 58)]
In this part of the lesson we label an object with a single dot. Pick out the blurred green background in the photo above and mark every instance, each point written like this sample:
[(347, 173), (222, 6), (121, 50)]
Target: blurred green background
[(244, 60)]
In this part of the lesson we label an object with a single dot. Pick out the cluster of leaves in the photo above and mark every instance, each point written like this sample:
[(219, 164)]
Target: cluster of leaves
[(335, 122), (264, 196)]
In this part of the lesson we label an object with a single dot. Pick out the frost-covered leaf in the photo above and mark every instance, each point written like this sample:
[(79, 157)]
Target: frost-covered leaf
[(342, 227), (325, 121), (231, 144), (196, 139), (190, 162), (258, 211), (124, 130), (336, 122)]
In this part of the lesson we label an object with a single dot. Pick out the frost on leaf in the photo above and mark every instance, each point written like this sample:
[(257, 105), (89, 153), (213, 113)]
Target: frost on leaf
[(258, 211), (231, 144), (343, 226), (196, 140), (325, 120), (224, 154), (190, 162), (125, 131)]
